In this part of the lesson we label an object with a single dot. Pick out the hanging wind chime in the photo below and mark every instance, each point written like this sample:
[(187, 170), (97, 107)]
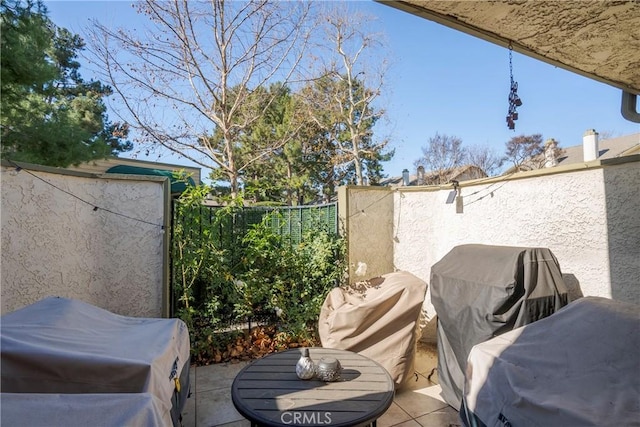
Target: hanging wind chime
[(514, 99)]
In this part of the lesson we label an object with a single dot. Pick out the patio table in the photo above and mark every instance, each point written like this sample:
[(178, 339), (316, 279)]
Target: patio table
[(269, 393)]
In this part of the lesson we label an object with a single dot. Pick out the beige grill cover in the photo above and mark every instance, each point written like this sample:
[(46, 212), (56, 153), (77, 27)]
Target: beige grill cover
[(382, 325)]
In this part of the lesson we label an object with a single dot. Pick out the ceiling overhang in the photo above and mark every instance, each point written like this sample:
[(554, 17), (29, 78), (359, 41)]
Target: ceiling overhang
[(597, 39)]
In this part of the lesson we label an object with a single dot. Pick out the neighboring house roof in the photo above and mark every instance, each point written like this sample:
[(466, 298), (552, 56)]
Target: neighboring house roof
[(607, 149), (461, 173), (141, 167), (178, 184)]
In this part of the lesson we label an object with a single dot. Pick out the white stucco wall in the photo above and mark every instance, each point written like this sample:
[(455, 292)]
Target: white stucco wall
[(589, 218), (53, 243), (587, 214)]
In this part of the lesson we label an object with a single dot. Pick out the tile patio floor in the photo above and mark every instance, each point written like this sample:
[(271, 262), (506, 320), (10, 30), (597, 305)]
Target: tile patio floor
[(419, 404)]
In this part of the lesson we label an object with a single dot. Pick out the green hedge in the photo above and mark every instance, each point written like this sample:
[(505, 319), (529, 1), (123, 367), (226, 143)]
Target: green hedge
[(232, 265)]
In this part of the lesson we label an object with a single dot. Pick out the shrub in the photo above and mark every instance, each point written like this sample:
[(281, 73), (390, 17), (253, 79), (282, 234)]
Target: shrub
[(289, 279), (223, 273), (202, 276)]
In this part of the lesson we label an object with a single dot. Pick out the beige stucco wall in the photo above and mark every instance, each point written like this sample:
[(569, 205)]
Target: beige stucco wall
[(588, 215), (53, 243), (366, 213)]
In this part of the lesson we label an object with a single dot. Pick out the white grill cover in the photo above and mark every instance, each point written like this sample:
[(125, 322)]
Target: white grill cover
[(577, 367), (60, 345), (382, 326)]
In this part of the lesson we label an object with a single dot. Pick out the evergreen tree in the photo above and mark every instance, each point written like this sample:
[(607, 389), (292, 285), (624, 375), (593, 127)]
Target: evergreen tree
[(50, 115), (272, 149)]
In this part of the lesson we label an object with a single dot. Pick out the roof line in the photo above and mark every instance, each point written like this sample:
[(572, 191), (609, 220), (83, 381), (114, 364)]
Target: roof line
[(456, 24)]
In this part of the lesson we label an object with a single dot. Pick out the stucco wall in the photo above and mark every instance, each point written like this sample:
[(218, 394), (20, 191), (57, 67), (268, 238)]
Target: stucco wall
[(53, 243), (622, 193), (588, 215), (367, 214)]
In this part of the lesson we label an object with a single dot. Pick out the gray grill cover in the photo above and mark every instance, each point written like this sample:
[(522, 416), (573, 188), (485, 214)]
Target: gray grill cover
[(579, 367), (65, 410), (481, 291), (60, 345)]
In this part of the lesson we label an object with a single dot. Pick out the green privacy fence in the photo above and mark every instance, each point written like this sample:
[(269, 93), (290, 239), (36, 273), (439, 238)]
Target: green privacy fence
[(294, 221), (209, 247), (291, 221)]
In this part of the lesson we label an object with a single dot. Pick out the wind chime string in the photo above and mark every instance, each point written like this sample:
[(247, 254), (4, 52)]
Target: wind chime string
[(514, 99)]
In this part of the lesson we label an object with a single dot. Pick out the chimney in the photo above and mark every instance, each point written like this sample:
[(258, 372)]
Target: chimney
[(590, 145), (405, 177), (420, 175), (550, 148)]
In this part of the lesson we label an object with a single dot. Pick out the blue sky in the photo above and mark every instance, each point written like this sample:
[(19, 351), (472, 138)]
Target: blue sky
[(440, 80)]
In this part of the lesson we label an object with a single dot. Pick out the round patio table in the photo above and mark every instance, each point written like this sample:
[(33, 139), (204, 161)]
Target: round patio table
[(268, 392)]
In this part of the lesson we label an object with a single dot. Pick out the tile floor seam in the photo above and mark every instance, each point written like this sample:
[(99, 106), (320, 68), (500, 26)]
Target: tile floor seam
[(402, 422)]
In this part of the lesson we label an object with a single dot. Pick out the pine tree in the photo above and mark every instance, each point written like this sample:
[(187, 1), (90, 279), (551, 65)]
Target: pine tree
[(50, 115)]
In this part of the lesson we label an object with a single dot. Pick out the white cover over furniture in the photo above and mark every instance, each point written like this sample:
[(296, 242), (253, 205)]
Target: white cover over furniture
[(577, 367), (66, 346)]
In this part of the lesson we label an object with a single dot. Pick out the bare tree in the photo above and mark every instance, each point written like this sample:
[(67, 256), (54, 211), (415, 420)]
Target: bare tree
[(190, 82), (607, 134), (341, 102), (485, 158), (442, 154), (523, 149)]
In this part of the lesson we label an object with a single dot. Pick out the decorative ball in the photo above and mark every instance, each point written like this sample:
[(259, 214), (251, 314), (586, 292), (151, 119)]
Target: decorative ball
[(328, 369)]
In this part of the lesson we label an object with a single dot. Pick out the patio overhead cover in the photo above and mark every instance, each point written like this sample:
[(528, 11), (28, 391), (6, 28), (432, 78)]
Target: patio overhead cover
[(66, 346), (597, 39), (177, 185), (481, 291)]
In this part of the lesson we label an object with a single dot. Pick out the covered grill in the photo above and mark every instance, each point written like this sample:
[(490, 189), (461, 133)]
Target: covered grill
[(69, 349), (579, 367), (480, 292)]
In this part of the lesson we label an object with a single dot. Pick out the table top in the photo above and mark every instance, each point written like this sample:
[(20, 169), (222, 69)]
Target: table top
[(268, 391)]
